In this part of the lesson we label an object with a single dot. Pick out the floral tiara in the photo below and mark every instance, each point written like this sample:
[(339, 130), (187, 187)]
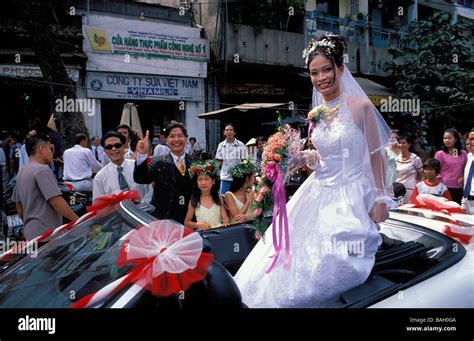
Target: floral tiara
[(331, 45), (243, 169), (209, 167), (314, 44)]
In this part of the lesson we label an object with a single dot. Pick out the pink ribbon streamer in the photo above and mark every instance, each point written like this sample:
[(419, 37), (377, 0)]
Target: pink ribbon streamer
[(312, 125), (282, 234)]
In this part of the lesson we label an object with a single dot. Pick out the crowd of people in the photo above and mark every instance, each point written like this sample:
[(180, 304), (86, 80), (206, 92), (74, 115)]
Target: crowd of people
[(448, 173), (96, 167), (223, 191)]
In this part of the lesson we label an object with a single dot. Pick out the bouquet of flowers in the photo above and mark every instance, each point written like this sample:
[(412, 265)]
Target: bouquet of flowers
[(281, 156)]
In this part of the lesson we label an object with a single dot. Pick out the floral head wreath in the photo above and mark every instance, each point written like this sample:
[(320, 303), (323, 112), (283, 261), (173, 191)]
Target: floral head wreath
[(327, 45), (209, 167), (243, 169)]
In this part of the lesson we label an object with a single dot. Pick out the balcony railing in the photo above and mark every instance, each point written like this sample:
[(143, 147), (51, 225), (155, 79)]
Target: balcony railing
[(262, 15), (352, 30), (466, 3), (384, 39)]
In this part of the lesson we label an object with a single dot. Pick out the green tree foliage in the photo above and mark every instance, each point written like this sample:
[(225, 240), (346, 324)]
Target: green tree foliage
[(433, 64)]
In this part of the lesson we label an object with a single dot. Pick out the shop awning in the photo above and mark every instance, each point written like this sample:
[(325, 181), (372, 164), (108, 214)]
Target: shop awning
[(372, 88), (288, 120), (375, 91), (242, 107)]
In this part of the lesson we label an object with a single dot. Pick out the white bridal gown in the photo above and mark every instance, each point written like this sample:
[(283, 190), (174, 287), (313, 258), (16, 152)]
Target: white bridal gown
[(332, 238)]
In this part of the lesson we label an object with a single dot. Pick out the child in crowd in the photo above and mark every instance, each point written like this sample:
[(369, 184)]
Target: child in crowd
[(240, 196), (206, 203), (399, 192), (431, 184)]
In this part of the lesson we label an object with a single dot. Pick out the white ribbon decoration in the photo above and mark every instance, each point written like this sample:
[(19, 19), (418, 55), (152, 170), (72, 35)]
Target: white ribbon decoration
[(439, 202), (180, 255), (462, 230)]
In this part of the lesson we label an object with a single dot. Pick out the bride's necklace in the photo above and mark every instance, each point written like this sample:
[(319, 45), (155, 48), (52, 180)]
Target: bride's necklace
[(330, 112), (327, 110)]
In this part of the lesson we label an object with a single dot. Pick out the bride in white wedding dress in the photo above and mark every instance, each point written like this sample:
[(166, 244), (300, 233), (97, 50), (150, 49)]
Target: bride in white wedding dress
[(333, 217)]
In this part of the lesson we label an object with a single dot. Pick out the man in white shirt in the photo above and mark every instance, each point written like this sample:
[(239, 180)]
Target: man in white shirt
[(229, 153), (468, 196), (127, 132), (97, 149), (196, 149), (23, 154), (3, 166), (117, 176), (158, 148), (80, 164)]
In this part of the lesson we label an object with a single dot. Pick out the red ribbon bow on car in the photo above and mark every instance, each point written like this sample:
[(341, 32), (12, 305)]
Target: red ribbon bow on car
[(168, 258)]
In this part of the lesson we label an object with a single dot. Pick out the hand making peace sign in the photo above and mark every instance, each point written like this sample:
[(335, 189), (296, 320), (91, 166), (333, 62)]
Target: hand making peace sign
[(143, 145)]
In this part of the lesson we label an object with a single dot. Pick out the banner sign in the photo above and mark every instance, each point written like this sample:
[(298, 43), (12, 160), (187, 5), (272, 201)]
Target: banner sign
[(32, 71), (147, 44), (127, 86)]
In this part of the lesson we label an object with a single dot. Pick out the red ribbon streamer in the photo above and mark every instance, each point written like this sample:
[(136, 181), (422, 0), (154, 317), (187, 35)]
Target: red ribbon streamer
[(111, 199), (463, 238)]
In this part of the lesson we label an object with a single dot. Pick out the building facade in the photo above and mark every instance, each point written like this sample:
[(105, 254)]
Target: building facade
[(149, 55)]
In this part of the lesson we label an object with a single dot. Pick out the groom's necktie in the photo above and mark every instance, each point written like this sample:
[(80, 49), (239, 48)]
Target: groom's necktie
[(181, 166)]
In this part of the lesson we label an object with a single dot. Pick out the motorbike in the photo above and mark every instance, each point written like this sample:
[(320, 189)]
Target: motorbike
[(13, 229)]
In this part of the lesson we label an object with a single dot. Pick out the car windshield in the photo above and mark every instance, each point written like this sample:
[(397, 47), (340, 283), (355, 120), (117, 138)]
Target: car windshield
[(70, 267)]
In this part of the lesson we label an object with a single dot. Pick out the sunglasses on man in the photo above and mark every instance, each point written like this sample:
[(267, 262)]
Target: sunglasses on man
[(110, 146)]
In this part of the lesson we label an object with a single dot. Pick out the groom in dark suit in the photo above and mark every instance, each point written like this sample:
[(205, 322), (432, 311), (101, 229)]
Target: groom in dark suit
[(169, 173)]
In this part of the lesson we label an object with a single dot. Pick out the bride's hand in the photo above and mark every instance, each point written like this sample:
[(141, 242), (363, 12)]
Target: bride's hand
[(313, 158), (379, 213)]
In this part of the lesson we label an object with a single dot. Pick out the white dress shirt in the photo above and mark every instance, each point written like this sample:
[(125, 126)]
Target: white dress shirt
[(79, 163), (175, 159), (3, 159), (468, 205), (106, 181), (188, 149), (23, 156), (160, 149), (129, 153), (231, 154), (470, 158), (100, 153)]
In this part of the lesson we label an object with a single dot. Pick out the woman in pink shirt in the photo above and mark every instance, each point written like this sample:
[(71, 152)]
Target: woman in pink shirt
[(453, 160)]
